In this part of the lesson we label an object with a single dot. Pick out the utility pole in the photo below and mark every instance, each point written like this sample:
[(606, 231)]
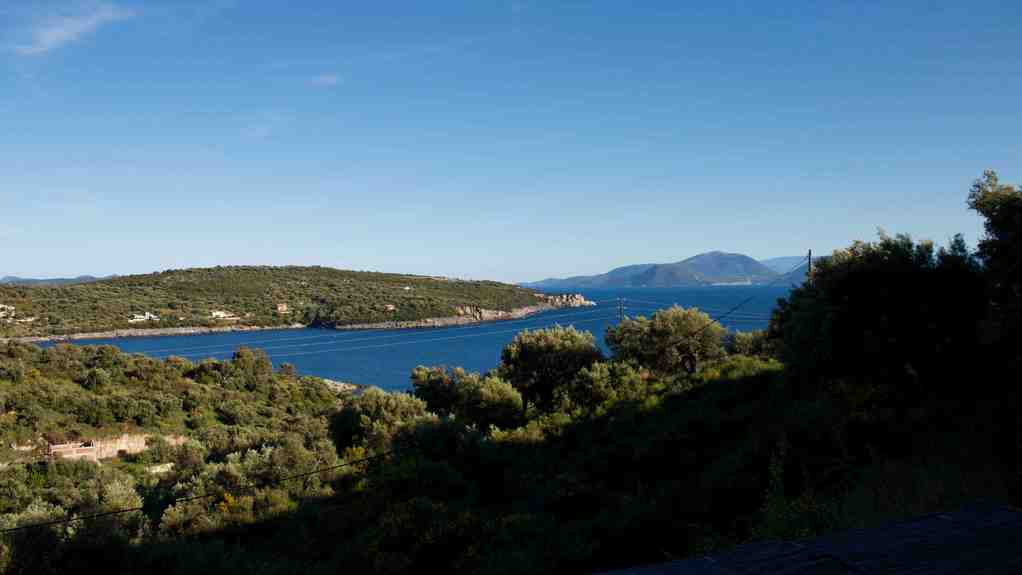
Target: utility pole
[(810, 272)]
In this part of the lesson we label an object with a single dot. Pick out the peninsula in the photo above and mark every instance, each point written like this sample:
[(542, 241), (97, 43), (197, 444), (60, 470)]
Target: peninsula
[(238, 298)]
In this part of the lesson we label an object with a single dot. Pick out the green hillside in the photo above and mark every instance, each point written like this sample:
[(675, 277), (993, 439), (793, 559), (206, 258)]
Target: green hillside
[(313, 295), (82, 393)]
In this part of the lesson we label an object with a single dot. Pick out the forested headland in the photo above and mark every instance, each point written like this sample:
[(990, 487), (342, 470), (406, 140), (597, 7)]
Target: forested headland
[(883, 388), (243, 296)]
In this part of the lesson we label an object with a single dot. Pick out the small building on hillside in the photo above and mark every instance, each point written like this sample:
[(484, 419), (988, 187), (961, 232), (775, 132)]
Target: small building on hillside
[(390, 307), (6, 311), (282, 309), (141, 317), (221, 314)]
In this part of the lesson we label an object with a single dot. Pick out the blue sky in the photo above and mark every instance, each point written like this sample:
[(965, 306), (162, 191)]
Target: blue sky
[(500, 140)]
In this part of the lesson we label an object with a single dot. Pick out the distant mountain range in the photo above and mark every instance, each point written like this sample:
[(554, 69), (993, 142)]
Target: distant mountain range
[(16, 281), (711, 268), (783, 264)]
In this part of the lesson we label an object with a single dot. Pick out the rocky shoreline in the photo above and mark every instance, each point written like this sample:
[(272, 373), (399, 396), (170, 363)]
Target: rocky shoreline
[(467, 315), (151, 332)]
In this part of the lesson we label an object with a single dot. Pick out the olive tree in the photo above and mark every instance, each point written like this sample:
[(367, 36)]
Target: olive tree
[(1001, 247), (605, 383), (537, 363), (474, 399), (665, 341)]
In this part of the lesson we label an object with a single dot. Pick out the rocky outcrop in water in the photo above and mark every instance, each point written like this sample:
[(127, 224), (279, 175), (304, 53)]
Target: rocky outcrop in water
[(567, 300)]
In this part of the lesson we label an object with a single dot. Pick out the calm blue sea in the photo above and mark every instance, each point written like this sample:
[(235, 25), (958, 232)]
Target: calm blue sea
[(385, 358)]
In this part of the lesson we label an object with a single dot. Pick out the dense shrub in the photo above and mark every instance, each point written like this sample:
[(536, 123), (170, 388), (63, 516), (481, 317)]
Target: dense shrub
[(662, 341), (438, 387), (69, 392), (751, 343), (537, 362), (604, 384), (372, 418), (894, 312), (490, 401), (473, 399)]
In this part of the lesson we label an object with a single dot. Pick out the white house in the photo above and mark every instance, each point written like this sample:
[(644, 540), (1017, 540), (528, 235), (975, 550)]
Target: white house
[(141, 317), (221, 314), (6, 311)]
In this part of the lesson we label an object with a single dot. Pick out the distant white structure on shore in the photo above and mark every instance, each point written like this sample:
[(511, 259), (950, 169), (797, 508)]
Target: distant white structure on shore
[(282, 309), (390, 307), (746, 282), (221, 314), (141, 317)]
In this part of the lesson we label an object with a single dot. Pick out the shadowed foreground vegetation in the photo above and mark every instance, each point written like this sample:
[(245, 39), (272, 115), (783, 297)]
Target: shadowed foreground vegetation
[(314, 296), (876, 393)]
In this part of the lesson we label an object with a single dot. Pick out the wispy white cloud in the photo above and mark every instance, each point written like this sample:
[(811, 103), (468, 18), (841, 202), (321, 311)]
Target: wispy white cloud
[(54, 33), (325, 80)]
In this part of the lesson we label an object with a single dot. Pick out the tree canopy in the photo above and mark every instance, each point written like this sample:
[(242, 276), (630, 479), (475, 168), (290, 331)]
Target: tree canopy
[(537, 362), (1001, 248), (662, 341), (888, 311)]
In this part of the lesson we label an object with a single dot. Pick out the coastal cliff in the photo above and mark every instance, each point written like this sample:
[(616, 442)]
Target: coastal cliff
[(469, 315)]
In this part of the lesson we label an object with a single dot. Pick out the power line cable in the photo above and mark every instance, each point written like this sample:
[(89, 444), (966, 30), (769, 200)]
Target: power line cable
[(340, 337), (454, 337), (744, 301), (708, 310), (405, 342), (644, 302), (746, 315)]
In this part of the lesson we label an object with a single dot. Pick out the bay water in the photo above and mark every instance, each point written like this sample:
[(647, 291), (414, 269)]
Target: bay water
[(384, 358)]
